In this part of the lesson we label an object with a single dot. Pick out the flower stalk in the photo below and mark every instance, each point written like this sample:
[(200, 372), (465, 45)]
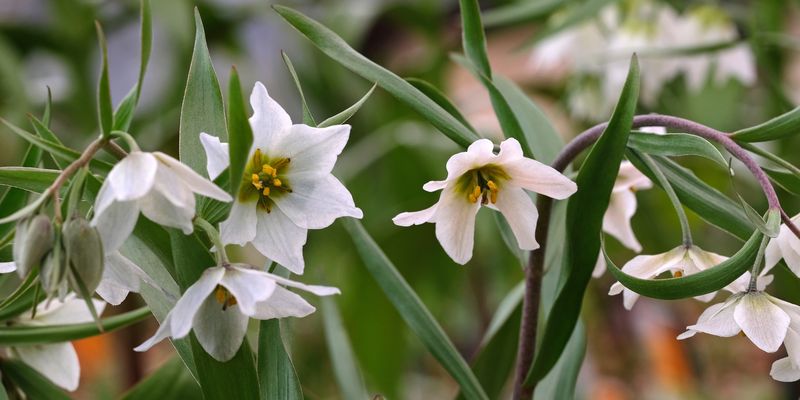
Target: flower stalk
[(673, 198), (71, 169), (213, 235)]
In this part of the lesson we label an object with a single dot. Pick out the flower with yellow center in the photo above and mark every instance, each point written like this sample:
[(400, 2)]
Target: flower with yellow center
[(219, 305), (287, 187), (479, 177)]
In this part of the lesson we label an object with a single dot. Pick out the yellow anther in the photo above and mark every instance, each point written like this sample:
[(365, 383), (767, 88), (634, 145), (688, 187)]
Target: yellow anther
[(276, 182), (677, 274), (231, 301), (491, 186), (267, 169), (266, 191), (476, 191), (493, 196), (221, 295), (472, 198), (256, 181)]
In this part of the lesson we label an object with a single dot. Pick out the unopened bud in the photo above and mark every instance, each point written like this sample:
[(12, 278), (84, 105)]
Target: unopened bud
[(84, 255), (53, 271), (32, 241)]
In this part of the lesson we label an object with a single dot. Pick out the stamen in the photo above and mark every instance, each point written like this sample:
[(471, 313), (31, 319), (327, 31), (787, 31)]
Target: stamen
[(677, 274), (220, 294), (267, 169), (276, 182), (266, 191), (256, 181)]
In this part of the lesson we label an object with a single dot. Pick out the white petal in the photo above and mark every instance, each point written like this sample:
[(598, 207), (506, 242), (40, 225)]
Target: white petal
[(718, 319), (216, 154), (71, 311), (478, 154), (282, 304), (248, 286), (220, 332), (315, 203), (433, 186), (171, 186), (772, 254), (629, 177), (312, 151), (316, 289), (762, 321), (192, 179), (415, 217), (539, 178), (133, 176), (599, 266), (790, 253), (57, 362), (178, 322), (160, 210), (704, 260), (116, 223), (240, 227), (120, 277), (269, 121), (6, 267), (520, 213), (646, 267), (617, 219), (784, 371), (455, 225), (658, 130), (279, 239), (510, 150)]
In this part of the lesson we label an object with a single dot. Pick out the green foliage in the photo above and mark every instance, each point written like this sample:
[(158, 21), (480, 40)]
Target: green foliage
[(675, 144), (276, 372), (16, 335), (34, 385), (779, 127), (171, 381), (241, 134)]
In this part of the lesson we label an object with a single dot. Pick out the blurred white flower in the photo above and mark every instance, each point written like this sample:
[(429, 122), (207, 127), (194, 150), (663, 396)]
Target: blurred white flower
[(679, 261), (219, 305), (287, 187), (479, 177), (786, 246), (57, 362)]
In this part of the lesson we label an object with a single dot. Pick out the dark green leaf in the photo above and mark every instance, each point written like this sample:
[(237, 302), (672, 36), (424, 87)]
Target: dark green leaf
[(345, 115), (17, 335), (41, 128), (336, 48), (202, 109), (241, 134), (473, 37), (675, 144), (785, 179), (779, 127), (124, 114), (585, 212), (345, 364), (35, 180), (105, 109), (15, 198), (560, 382), (34, 385), (171, 381), (308, 118), (440, 98), (276, 372), (412, 310)]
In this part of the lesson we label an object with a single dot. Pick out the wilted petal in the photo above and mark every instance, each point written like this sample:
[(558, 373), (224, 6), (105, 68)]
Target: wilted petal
[(539, 178), (315, 203), (282, 304), (313, 151), (192, 179), (57, 362), (455, 225), (762, 321), (521, 214), (248, 286), (617, 219), (133, 176), (784, 370), (240, 227), (280, 239), (269, 121), (220, 331), (216, 154)]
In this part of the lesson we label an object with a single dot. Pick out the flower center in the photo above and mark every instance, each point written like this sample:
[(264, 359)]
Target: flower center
[(482, 184), (224, 297), (264, 179)]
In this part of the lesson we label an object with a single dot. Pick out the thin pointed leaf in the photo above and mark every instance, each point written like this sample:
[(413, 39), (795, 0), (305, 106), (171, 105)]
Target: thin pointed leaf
[(412, 310), (275, 369), (782, 126), (19, 335), (171, 381), (441, 99), (345, 364), (346, 114), (124, 113), (241, 134), (473, 38), (105, 109), (787, 180), (24, 211), (675, 144), (41, 128), (34, 385), (308, 118)]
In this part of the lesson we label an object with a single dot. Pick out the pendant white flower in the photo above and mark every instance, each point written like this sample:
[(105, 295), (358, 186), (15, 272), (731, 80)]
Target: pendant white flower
[(679, 261), (288, 187), (478, 177), (786, 246), (57, 362), (159, 186), (219, 305)]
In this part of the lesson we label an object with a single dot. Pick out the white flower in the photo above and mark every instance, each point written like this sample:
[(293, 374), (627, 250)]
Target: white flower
[(786, 246), (679, 261), (479, 177), (58, 362), (621, 207), (288, 187), (159, 186), (219, 305)]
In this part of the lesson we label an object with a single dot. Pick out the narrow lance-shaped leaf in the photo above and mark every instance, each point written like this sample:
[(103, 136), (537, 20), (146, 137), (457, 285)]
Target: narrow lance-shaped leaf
[(171, 381), (412, 310), (585, 212), (675, 144), (202, 109), (124, 114), (308, 118), (345, 365), (17, 335), (441, 99), (104, 107), (787, 180), (347, 113), (34, 385), (336, 48), (779, 127), (473, 37), (241, 134)]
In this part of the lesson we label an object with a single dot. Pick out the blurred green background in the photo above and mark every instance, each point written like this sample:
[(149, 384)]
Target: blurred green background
[(391, 154)]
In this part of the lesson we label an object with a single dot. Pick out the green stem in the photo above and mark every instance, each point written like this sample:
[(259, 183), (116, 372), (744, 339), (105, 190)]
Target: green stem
[(673, 197), (132, 145), (769, 156), (753, 286), (213, 235)]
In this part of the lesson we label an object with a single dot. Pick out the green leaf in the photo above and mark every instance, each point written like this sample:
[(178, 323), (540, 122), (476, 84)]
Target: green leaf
[(171, 381), (520, 12), (787, 180), (22, 299), (675, 144), (336, 48), (34, 385), (41, 128), (441, 99), (758, 221), (202, 109), (27, 179), (15, 198), (779, 127), (544, 141), (105, 108), (241, 134), (308, 118), (473, 37), (234, 379), (124, 114), (17, 335), (560, 382), (703, 282), (345, 115), (345, 364), (276, 372), (24, 211), (412, 310), (585, 211)]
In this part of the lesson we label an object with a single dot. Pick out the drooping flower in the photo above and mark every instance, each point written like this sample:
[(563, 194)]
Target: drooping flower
[(786, 246), (679, 261), (478, 177), (287, 187), (159, 186), (219, 305), (57, 362)]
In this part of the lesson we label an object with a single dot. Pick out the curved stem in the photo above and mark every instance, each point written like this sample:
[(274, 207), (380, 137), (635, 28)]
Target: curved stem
[(62, 178), (673, 198), (132, 145), (213, 235)]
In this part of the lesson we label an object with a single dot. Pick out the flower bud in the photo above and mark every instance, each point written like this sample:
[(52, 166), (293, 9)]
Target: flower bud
[(34, 238), (53, 271), (84, 254)]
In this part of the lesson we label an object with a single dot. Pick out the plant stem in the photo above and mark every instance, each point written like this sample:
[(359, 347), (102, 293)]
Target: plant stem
[(62, 178), (673, 197), (213, 235), (753, 286)]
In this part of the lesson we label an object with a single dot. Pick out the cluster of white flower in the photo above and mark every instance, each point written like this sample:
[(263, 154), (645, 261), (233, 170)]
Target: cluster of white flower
[(598, 50)]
